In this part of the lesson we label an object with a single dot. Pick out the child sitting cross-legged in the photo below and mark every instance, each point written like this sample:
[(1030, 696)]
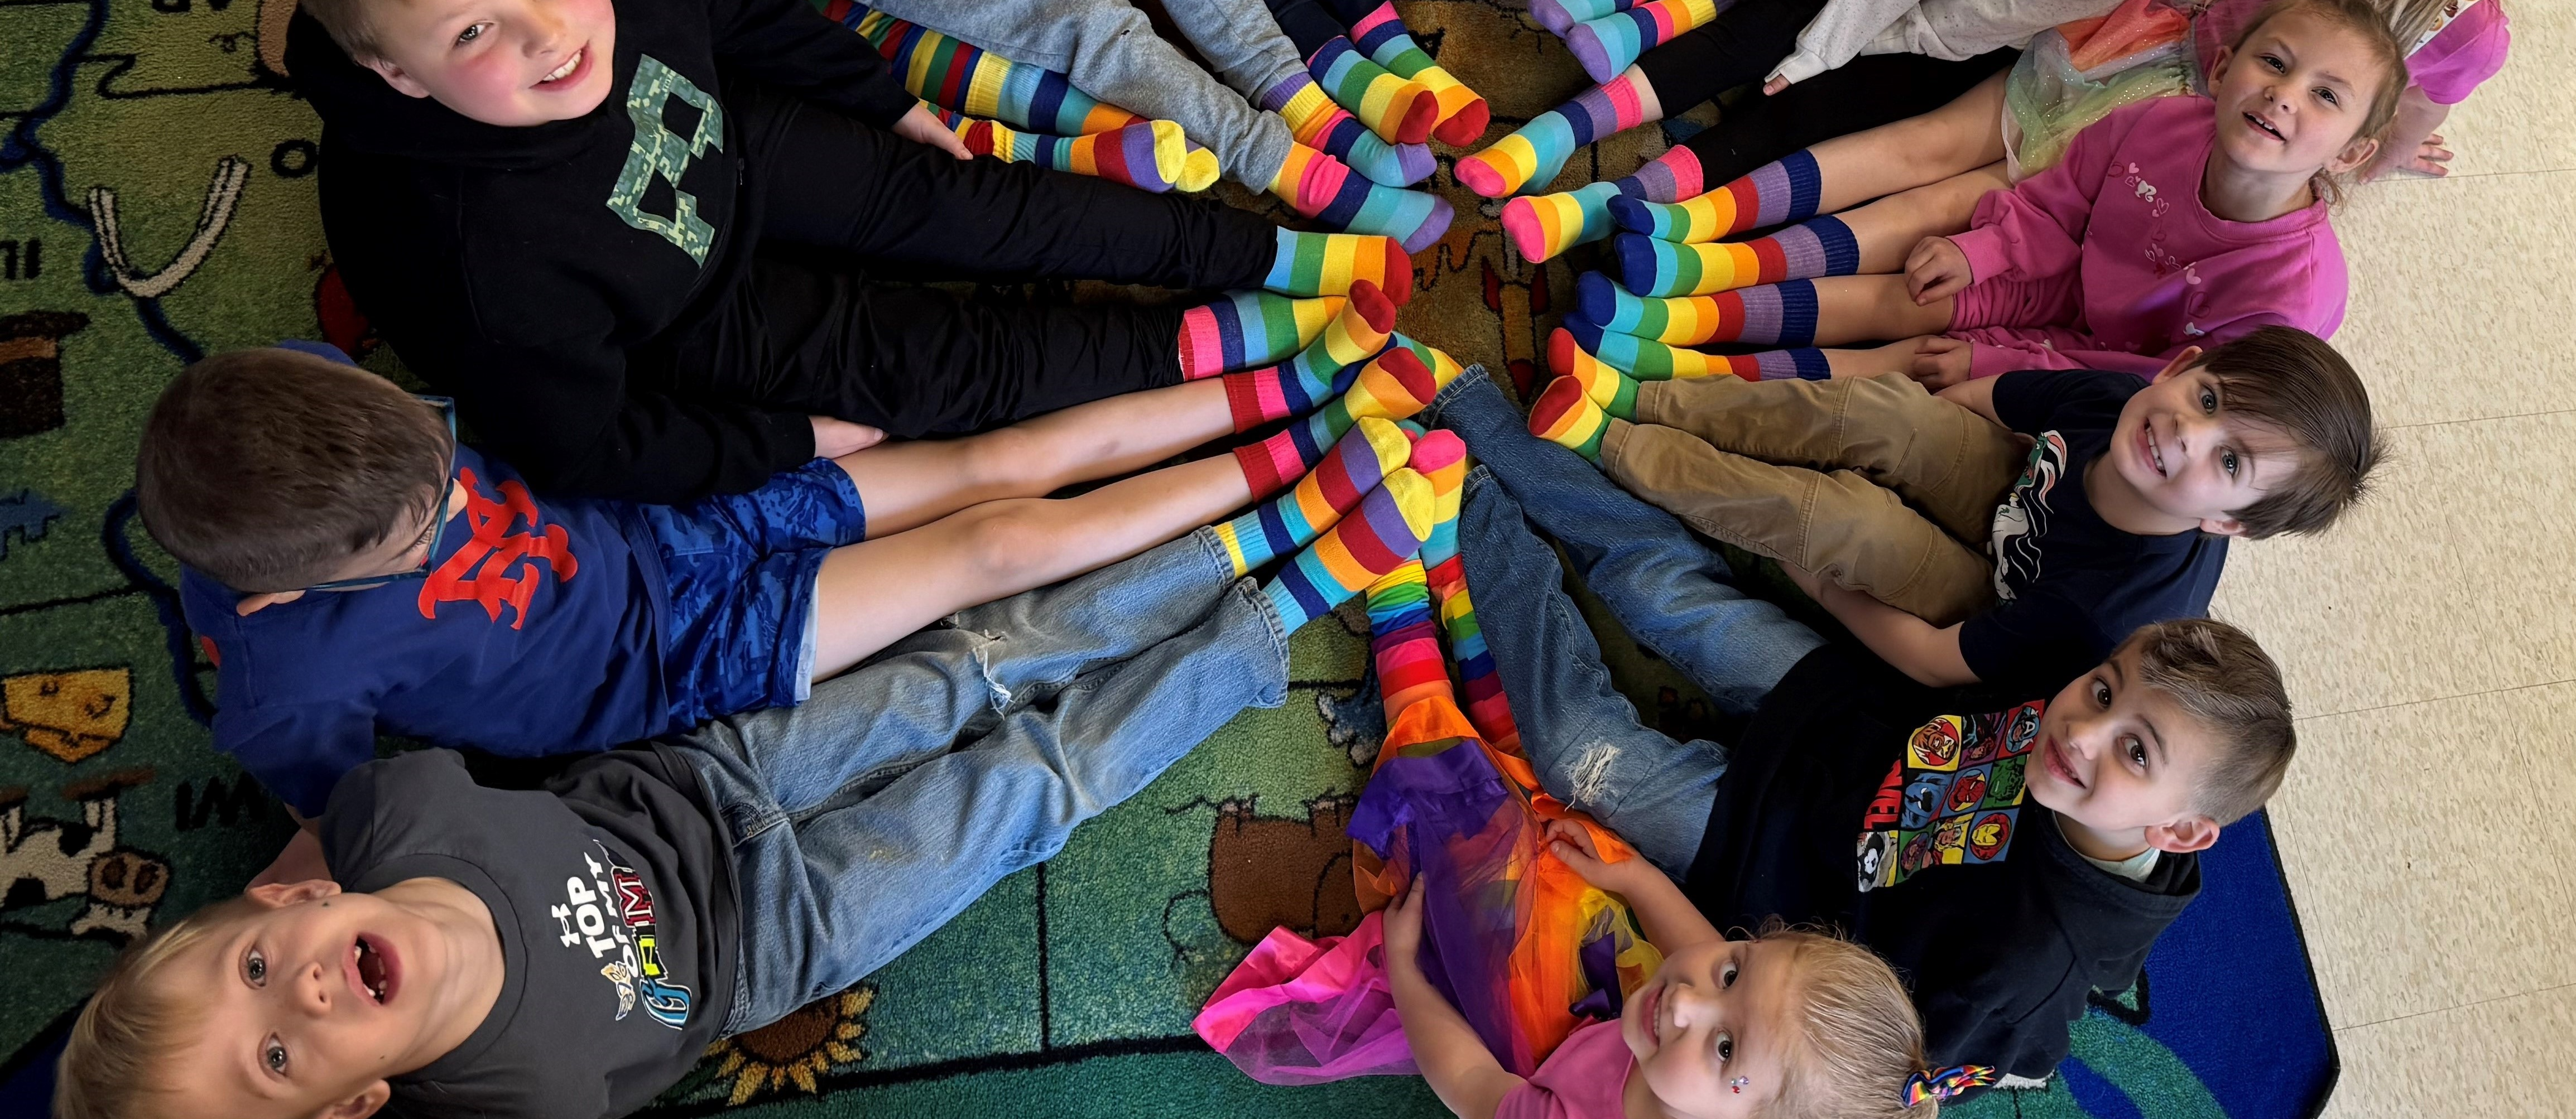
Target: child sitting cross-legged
[(569, 952), (2008, 848), (2012, 524), (353, 569)]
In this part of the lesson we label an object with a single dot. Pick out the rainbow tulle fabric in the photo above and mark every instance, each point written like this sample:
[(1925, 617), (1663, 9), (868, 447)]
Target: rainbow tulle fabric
[(1517, 941)]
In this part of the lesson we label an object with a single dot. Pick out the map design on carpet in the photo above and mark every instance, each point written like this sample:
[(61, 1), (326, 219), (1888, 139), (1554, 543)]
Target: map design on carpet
[(157, 203)]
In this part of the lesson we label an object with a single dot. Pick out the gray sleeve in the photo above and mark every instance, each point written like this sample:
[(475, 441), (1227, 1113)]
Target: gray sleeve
[(1963, 29)]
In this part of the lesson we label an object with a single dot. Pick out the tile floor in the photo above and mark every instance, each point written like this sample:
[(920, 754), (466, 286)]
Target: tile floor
[(2437, 693)]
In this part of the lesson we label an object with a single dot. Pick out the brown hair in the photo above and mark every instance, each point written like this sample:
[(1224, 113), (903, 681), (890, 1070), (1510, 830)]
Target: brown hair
[(2363, 18), (268, 469), (350, 26), (132, 1023), (2292, 382), (2227, 684), (1862, 1038)]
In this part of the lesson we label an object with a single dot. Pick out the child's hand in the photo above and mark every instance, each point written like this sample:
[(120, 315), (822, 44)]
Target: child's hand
[(1936, 269), (2429, 158), (1572, 844), (1403, 918), (1940, 362), (834, 438), (920, 127)]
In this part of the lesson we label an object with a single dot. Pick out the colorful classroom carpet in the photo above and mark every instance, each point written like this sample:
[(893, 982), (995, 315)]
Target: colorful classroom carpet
[(157, 203)]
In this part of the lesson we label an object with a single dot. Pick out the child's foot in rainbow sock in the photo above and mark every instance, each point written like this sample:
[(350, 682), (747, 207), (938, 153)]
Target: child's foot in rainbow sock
[(1387, 529), (1544, 225), (1294, 387), (1644, 358), (1326, 127), (1614, 391), (1383, 37), (1775, 193), (1560, 16), (1566, 417), (1609, 44), (1351, 468), (1391, 388), (1686, 321), (1532, 155), (1329, 263), (1399, 111), (1320, 187), (1250, 328)]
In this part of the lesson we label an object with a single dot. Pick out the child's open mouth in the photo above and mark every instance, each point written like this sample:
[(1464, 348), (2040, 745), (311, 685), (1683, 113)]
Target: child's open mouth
[(568, 69), (2053, 756), (375, 970), (2150, 450), (2265, 127)]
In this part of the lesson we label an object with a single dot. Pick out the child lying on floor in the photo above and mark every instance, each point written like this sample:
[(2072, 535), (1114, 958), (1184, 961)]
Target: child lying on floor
[(570, 952), (2016, 523), (353, 569)]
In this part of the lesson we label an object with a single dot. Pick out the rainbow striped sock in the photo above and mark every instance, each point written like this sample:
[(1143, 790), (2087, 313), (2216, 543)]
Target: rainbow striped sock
[(1786, 190), (1672, 175), (1534, 153), (1403, 639), (1642, 358), (1199, 168), (1391, 388), (1249, 328), (1444, 368), (1804, 363), (954, 74), (1565, 416), (1609, 44), (1352, 468), (1819, 247), (1329, 263), (1614, 391), (1399, 111), (1462, 115), (1386, 530), (1560, 16), (1441, 457), (1295, 386), (1148, 155), (1318, 123), (1543, 225), (1320, 187), (1771, 315)]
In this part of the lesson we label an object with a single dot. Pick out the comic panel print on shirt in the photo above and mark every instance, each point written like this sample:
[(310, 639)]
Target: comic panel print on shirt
[(1954, 796), (609, 912), (2023, 517)]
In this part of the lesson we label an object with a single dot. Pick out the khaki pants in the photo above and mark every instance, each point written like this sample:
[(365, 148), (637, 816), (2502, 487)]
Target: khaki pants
[(1873, 484)]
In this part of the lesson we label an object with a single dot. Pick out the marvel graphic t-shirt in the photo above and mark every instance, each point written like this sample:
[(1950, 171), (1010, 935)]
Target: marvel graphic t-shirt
[(2071, 585), (614, 905), (1953, 797), (537, 631)]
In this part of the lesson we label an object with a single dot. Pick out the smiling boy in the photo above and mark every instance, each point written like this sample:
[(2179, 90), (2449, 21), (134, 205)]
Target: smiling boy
[(2015, 525)]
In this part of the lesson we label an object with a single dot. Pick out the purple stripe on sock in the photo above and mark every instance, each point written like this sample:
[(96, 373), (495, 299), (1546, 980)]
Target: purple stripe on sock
[(1801, 364), (1279, 95), (1592, 115), (1761, 315), (1802, 253), (1771, 195)]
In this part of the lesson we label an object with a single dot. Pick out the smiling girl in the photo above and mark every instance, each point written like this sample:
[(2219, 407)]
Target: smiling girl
[(2170, 223)]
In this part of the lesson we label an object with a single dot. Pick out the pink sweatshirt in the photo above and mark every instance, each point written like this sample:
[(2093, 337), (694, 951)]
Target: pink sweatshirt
[(1586, 1078), (2120, 220)]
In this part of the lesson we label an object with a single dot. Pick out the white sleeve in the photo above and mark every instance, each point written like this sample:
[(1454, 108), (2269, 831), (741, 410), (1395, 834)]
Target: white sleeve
[(1962, 29), (1836, 34)]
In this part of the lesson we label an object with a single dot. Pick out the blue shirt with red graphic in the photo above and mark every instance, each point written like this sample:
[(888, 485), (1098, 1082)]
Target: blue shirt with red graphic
[(538, 631)]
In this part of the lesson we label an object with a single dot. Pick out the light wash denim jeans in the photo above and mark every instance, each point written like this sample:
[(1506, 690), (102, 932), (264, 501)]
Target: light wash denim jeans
[(904, 789), (1109, 49), (1670, 591)]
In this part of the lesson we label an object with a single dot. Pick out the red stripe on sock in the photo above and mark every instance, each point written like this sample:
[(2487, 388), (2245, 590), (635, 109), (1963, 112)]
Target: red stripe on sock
[(1730, 317), (1748, 202), (1262, 468), (1771, 264), (1243, 400)]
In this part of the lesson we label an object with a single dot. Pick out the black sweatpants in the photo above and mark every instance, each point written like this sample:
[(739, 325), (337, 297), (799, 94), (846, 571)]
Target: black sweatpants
[(843, 205)]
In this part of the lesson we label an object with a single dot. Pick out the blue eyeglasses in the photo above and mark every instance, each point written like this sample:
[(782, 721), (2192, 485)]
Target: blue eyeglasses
[(438, 516)]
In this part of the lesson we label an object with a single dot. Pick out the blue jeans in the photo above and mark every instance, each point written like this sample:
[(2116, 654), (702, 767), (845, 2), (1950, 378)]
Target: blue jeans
[(1673, 594), (904, 789)]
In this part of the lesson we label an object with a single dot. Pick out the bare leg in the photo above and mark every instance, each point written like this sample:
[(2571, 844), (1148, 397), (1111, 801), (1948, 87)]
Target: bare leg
[(1894, 357), (1961, 136), (871, 594), (1888, 229), (907, 485), (1868, 308)]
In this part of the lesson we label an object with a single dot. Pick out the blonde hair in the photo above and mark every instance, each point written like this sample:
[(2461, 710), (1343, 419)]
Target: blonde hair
[(132, 1023), (1862, 1040), (2387, 51)]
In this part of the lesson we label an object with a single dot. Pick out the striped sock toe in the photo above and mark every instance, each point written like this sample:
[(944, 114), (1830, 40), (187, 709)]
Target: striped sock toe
[(1563, 415)]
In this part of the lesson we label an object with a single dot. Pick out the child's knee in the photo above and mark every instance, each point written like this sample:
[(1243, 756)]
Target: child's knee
[(1004, 540)]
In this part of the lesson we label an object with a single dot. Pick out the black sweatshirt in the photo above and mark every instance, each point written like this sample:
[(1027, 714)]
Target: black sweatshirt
[(2000, 956), (518, 268)]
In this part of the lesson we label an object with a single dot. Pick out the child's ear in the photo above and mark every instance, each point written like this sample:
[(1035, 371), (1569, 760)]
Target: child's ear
[(2218, 65), (2181, 363), (2184, 836), (2354, 155), (396, 76), (279, 895), (361, 1105), (2222, 526)]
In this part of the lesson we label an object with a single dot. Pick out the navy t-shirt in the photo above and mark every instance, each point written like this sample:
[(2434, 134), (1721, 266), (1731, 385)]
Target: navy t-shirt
[(538, 631), (2073, 586)]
